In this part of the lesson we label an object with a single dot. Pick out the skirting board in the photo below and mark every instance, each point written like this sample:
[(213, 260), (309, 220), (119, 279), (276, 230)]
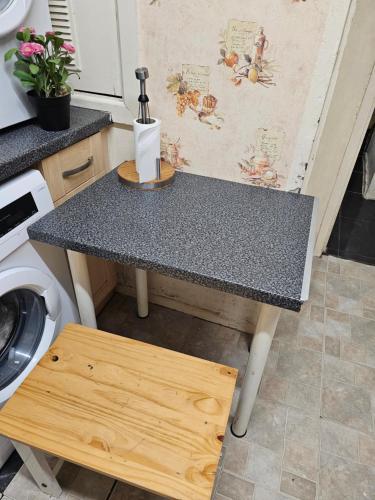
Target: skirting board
[(205, 303)]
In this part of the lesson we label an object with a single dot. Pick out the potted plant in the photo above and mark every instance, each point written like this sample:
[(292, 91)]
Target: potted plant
[(42, 66)]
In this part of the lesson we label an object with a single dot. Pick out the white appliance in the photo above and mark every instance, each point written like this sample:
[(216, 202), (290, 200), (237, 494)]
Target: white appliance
[(36, 291), (14, 103)]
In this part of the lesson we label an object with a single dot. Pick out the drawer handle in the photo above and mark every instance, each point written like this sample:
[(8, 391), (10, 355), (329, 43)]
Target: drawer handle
[(79, 169)]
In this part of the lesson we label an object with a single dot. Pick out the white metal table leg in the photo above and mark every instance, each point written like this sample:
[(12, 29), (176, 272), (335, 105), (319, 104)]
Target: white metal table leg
[(260, 346), (82, 287), (38, 467), (142, 293)]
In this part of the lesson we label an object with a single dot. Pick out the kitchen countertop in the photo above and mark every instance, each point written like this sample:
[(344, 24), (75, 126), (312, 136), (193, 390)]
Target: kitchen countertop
[(25, 144), (245, 240)]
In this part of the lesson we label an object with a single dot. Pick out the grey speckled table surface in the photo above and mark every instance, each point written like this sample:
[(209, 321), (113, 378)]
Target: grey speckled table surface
[(25, 144), (244, 240)]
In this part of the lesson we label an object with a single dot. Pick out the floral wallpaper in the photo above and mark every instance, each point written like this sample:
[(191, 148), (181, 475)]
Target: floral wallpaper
[(229, 80)]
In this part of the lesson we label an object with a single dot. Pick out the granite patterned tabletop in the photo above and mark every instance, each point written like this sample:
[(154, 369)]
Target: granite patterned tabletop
[(241, 239), (26, 144)]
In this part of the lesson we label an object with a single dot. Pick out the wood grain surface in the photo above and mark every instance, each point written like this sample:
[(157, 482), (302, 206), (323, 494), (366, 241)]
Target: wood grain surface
[(128, 175), (145, 415)]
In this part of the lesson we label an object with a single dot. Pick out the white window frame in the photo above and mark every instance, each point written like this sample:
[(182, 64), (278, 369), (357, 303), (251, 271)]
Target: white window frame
[(124, 109)]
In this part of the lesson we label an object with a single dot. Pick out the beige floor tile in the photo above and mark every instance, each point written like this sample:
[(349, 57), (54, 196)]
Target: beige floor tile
[(368, 313), (332, 314), (337, 439), (302, 428), (311, 334), (124, 491), (301, 460), (335, 327), (317, 293), (317, 313), (333, 265), (340, 286), (297, 486), (304, 397), (264, 466), (367, 450), (235, 457), (320, 263), (363, 331), (287, 327), (337, 369), (300, 364), (353, 269), (234, 487), (217, 496), (88, 485), (267, 425), (274, 388), (368, 294), (340, 479), (353, 352), (348, 405), (267, 494), (332, 346), (365, 377)]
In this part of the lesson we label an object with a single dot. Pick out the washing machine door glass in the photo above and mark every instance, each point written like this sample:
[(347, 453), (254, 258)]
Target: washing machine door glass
[(4, 4), (22, 319)]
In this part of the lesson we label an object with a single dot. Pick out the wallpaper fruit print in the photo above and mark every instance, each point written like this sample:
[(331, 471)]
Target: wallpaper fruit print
[(170, 151), (229, 81), (243, 48), (191, 91)]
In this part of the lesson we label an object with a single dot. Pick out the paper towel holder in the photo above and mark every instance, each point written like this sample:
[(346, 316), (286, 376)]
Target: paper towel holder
[(163, 171), (128, 175)]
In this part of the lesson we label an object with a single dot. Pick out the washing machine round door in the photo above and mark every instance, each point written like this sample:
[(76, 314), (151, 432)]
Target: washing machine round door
[(29, 309), (12, 14)]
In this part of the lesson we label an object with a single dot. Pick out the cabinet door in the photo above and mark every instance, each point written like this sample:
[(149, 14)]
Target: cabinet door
[(102, 272)]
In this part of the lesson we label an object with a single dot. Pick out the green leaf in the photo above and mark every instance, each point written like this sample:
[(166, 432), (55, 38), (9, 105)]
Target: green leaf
[(54, 60), (22, 75), (19, 36), (27, 84), (34, 69), (9, 54), (39, 39), (26, 35), (22, 65), (58, 42)]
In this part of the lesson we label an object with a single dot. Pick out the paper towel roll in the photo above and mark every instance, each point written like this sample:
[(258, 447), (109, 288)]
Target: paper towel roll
[(147, 148)]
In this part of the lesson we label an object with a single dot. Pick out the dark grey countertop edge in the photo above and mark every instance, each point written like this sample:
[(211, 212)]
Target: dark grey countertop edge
[(290, 303), (63, 139)]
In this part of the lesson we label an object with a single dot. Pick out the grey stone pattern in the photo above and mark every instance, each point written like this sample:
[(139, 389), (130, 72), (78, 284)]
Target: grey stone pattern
[(26, 144), (240, 239)]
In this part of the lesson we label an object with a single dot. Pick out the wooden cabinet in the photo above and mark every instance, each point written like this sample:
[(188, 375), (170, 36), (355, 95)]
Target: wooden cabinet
[(67, 173)]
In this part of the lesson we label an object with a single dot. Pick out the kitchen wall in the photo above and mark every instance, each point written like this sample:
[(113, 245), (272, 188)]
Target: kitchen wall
[(229, 80)]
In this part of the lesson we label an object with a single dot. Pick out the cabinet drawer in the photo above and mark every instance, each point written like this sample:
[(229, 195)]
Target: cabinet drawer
[(74, 166)]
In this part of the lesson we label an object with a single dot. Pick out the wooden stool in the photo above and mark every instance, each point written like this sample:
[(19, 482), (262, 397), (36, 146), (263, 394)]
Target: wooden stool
[(141, 414)]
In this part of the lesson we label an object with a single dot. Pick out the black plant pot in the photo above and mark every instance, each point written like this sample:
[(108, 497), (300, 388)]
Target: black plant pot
[(53, 112)]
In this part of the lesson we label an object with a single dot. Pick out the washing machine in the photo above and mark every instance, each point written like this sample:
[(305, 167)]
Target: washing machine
[(36, 292)]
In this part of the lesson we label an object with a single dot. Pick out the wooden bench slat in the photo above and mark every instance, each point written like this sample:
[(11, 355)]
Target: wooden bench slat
[(142, 414)]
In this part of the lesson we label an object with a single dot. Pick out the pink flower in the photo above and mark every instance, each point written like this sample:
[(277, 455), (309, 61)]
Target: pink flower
[(28, 49), (51, 33), (69, 47), (21, 29)]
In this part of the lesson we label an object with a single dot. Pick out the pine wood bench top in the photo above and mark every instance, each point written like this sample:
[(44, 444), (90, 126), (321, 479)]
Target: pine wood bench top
[(148, 416)]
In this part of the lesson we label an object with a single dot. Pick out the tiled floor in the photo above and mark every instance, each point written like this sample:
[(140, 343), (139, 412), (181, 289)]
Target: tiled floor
[(311, 435)]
